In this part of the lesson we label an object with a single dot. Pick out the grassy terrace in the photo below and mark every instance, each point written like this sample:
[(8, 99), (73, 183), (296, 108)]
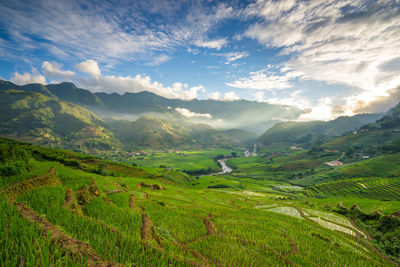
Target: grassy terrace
[(121, 214)]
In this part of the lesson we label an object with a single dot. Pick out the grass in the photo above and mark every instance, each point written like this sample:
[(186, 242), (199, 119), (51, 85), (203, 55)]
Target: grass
[(373, 188), (183, 160), (249, 222)]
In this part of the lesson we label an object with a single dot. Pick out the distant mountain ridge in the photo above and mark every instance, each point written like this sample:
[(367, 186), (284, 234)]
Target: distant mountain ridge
[(379, 137), (37, 115), (241, 114), (291, 133), (154, 132), (65, 116)]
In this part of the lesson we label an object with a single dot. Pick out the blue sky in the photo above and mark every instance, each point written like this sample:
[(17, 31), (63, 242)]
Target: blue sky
[(329, 57)]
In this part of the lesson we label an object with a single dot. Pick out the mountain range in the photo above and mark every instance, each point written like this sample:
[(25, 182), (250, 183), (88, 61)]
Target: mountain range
[(65, 116), (242, 114), (307, 133)]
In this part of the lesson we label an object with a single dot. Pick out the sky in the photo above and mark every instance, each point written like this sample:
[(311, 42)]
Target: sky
[(328, 57)]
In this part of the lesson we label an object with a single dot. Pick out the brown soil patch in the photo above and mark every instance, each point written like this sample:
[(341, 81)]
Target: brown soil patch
[(195, 254), (73, 246), (293, 247), (69, 198), (151, 186), (145, 229), (341, 205), (132, 202), (209, 226), (50, 178), (87, 193), (71, 203)]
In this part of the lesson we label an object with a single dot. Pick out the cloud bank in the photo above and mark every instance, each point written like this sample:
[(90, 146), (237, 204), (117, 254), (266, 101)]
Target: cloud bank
[(356, 43), (189, 114), (25, 78)]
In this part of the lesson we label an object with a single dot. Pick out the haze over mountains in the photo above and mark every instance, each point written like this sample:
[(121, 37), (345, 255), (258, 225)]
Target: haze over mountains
[(248, 115), (66, 116)]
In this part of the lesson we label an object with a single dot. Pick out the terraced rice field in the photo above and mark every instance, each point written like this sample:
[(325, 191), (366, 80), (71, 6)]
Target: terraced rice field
[(179, 227), (70, 216), (374, 188)]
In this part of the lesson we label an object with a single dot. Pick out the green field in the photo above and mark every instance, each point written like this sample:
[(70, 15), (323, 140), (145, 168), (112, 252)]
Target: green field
[(117, 213), (181, 160)]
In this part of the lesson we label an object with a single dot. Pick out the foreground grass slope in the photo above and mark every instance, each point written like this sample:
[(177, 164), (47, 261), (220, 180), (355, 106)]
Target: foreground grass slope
[(118, 214)]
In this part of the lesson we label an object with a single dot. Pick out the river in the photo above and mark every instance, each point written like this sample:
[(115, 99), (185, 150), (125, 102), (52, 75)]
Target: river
[(225, 168)]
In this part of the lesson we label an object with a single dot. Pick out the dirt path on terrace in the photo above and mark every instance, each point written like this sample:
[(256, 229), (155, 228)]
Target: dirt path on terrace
[(368, 235), (50, 178), (293, 247), (209, 226), (147, 233), (145, 228), (132, 202), (69, 198), (68, 244)]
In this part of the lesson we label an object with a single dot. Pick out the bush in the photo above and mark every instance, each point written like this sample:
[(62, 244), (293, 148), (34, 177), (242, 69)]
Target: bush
[(219, 186), (10, 169)]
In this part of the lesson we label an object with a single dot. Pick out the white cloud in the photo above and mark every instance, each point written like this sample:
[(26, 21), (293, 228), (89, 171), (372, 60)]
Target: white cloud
[(123, 31), (158, 60), (139, 83), (232, 56), (259, 96), (371, 102), (215, 44), (26, 78), (266, 80), (193, 51), (215, 96), (189, 114), (91, 67), (53, 70), (335, 41), (323, 110), (228, 96)]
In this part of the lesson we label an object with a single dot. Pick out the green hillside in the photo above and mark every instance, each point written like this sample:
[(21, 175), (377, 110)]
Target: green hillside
[(112, 214), (35, 88), (380, 137), (40, 119), (308, 133), (70, 93), (248, 115), (149, 131)]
